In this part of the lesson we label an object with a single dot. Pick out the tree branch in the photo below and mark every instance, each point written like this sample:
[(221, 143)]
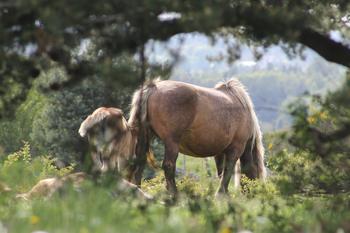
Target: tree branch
[(326, 47)]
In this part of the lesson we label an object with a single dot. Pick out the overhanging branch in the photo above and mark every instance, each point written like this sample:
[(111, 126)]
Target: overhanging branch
[(326, 47)]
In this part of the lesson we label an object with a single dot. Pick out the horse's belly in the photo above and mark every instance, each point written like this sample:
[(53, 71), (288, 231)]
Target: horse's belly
[(202, 145)]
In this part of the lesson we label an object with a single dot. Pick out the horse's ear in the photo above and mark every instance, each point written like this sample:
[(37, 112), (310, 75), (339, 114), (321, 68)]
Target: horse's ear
[(84, 127)]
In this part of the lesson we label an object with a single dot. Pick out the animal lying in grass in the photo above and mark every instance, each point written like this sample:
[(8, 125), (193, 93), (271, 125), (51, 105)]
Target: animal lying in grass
[(47, 187), (193, 120)]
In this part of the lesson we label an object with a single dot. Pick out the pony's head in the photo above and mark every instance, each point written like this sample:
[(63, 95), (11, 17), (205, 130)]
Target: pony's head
[(109, 137)]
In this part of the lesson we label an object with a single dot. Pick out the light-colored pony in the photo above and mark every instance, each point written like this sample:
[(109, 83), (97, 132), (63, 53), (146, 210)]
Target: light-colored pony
[(193, 120)]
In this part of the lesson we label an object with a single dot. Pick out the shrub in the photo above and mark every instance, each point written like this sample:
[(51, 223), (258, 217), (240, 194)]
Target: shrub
[(55, 129), (17, 130), (23, 171)]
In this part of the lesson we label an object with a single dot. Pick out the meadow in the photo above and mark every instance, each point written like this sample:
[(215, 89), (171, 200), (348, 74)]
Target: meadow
[(287, 202), (307, 189), (61, 60)]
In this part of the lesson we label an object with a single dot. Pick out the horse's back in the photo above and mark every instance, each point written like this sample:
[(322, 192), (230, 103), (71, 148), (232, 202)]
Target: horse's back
[(171, 108), (218, 119), (202, 120)]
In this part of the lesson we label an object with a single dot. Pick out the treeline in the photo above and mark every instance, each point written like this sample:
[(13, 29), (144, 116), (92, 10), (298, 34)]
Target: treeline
[(273, 87)]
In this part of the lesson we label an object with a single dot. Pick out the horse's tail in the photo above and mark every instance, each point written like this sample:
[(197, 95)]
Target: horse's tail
[(138, 113), (139, 123), (151, 160)]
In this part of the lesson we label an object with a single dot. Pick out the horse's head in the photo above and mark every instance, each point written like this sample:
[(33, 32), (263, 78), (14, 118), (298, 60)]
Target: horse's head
[(109, 137)]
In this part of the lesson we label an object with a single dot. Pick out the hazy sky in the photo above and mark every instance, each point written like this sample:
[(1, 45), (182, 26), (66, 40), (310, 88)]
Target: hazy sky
[(196, 48)]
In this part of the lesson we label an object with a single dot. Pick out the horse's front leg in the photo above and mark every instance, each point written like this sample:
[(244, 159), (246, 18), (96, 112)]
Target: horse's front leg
[(230, 159), (219, 162), (169, 166)]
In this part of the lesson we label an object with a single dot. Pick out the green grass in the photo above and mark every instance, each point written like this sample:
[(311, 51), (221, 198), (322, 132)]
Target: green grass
[(98, 208)]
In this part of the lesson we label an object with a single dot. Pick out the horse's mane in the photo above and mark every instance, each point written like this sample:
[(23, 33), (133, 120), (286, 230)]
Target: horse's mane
[(236, 89)]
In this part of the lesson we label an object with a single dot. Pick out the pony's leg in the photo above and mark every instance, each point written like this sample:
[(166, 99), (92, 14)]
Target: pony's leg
[(169, 166), (219, 161), (231, 157), (139, 170), (229, 164), (134, 172), (237, 174)]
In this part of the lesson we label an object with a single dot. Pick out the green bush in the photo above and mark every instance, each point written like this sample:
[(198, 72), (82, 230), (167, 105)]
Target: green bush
[(320, 136), (22, 170), (299, 171), (17, 130), (55, 129)]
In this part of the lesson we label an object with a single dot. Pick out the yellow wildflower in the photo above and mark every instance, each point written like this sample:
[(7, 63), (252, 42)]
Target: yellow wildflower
[(34, 219), (311, 119), (270, 146), (226, 230), (323, 115)]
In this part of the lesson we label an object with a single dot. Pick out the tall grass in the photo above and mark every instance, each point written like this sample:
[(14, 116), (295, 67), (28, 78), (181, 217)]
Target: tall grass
[(99, 208)]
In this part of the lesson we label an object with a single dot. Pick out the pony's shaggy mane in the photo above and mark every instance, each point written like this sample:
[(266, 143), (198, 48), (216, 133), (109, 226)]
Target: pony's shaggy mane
[(96, 117), (236, 89)]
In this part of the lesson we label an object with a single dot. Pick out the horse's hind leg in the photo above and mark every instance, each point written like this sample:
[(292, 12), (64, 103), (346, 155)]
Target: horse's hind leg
[(230, 159), (169, 166)]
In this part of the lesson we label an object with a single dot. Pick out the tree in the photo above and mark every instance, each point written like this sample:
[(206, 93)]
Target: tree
[(33, 33), (318, 129)]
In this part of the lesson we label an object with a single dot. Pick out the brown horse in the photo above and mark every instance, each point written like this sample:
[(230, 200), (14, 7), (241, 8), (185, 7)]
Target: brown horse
[(199, 122), (195, 121)]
